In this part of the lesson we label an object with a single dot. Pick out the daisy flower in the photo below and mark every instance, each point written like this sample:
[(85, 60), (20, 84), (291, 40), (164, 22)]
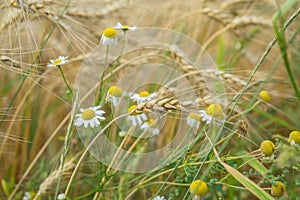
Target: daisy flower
[(159, 198), (109, 37), (61, 197), (278, 189), (193, 120), (124, 27), (264, 95), (149, 126), (267, 148), (58, 62), (198, 187), (114, 95), (122, 133), (294, 138), (205, 117), (214, 110), (27, 196), (142, 97), (89, 116), (134, 118)]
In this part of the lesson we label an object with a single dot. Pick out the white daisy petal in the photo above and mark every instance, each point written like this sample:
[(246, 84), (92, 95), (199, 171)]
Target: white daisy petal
[(89, 117), (142, 97), (124, 27), (57, 62), (144, 117), (159, 198), (134, 122)]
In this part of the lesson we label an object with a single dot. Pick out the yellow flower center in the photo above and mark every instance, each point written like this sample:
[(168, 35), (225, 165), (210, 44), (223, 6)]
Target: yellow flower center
[(56, 62), (195, 117), (279, 189), (115, 91), (110, 33), (198, 187), (149, 121), (88, 114), (144, 94), (214, 110), (264, 95), (131, 108), (295, 135), (267, 147), (125, 27)]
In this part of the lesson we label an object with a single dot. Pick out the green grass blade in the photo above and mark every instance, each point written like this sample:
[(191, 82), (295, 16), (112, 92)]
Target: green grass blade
[(253, 162), (250, 185)]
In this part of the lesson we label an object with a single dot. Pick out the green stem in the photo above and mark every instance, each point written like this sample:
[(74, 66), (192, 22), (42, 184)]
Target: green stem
[(123, 45), (65, 151), (63, 76), (102, 77), (283, 48)]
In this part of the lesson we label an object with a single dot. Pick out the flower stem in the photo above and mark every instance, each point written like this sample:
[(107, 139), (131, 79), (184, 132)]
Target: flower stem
[(63, 76), (123, 45), (102, 76)]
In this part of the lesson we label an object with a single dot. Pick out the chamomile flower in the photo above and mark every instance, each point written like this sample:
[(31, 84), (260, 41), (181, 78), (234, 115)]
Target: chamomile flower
[(205, 117), (124, 27), (278, 189), (149, 125), (89, 117), (26, 196), (198, 187), (214, 110), (134, 118), (267, 148), (109, 37), (142, 97), (193, 120), (58, 62), (114, 95), (122, 133), (294, 138), (264, 95), (61, 197), (159, 198)]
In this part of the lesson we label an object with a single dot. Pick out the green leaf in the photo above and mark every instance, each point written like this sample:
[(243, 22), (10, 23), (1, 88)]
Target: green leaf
[(250, 185), (253, 162), (5, 187)]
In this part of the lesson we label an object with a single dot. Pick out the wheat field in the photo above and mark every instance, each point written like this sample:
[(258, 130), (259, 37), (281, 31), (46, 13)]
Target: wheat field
[(182, 100)]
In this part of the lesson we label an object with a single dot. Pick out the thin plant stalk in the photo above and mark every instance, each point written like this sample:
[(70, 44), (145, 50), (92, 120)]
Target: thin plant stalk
[(65, 80), (87, 149), (102, 77)]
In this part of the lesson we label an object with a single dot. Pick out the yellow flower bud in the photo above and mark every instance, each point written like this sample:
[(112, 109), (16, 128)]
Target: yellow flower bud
[(214, 110), (115, 91), (264, 95), (294, 136), (198, 187), (279, 189), (267, 147)]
